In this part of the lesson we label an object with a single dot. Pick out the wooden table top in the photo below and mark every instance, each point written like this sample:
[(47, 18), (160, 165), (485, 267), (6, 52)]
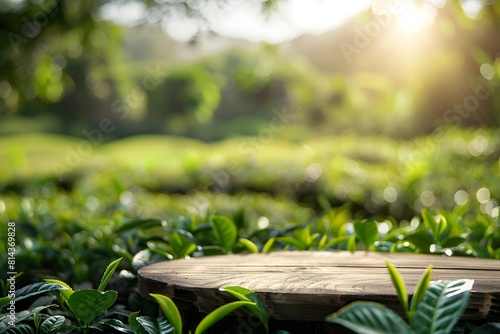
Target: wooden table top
[(309, 285)]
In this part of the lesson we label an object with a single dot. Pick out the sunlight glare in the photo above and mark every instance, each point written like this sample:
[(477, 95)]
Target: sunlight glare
[(472, 8), (413, 18)]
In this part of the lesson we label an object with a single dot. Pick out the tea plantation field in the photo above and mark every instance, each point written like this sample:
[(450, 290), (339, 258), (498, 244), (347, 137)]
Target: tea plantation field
[(77, 205)]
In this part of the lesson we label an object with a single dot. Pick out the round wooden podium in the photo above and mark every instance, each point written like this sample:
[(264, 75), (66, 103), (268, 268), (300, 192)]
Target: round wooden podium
[(309, 285)]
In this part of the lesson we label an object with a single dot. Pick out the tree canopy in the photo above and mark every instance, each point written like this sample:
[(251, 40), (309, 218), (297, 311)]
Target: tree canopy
[(61, 56)]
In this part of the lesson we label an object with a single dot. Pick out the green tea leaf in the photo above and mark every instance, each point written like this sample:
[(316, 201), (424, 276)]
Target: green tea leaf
[(218, 314), (52, 324), (108, 273), (5, 301), (421, 239), (181, 246), (66, 291), (351, 244), (333, 220), (38, 288), (365, 317), (87, 304), (120, 326), (420, 290), (442, 306), (441, 228), (429, 221), (322, 242), (399, 285), (20, 329), (225, 231), (338, 241), (36, 320), (213, 250), (249, 245), (20, 316), (145, 257), (268, 246), (453, 242), (166, 255), (304, 236), (186, 234), (139, 224), (292, 242), (132, 321), (366, 231), (170, 310), (156, 326), (245, 294)]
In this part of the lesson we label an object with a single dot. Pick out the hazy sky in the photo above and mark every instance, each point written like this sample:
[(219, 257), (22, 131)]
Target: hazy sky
[(243, 19), (294, 17)]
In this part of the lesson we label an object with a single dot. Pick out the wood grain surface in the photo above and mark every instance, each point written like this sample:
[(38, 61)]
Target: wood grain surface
[(310, 285)]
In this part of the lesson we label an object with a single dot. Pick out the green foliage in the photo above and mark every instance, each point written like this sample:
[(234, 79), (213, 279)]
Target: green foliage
[(249, 245), (268, 245), (170, 311), (87, 304), (185, 98), (5, 320), (246, 298), (399, 285), (441, 307), (21, 329), (84, 304), (420, 291), (364, 317), (258, 308), (38, 288), (181, 245), (52, 324), (155, 325), (225, 231), (219, 313), (150, 212), (65, 290), (435, 309), (366, 232), (108, 273)]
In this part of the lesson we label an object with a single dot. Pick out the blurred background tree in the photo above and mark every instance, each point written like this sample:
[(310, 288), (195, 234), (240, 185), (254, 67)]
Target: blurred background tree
[(65, 65)]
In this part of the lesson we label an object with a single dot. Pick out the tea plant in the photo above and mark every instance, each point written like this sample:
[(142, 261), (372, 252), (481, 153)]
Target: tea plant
[(435, 308), (84, 305), (87, 305)]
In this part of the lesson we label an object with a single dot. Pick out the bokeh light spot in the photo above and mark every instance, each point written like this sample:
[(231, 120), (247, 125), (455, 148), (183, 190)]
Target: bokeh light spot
[(495, 212), (390, 194), (478, 145), (461, 197), (483, 195), (313, 172), (384, 227), (427, 198), (263, 222), (92, 203), (487, 71)]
